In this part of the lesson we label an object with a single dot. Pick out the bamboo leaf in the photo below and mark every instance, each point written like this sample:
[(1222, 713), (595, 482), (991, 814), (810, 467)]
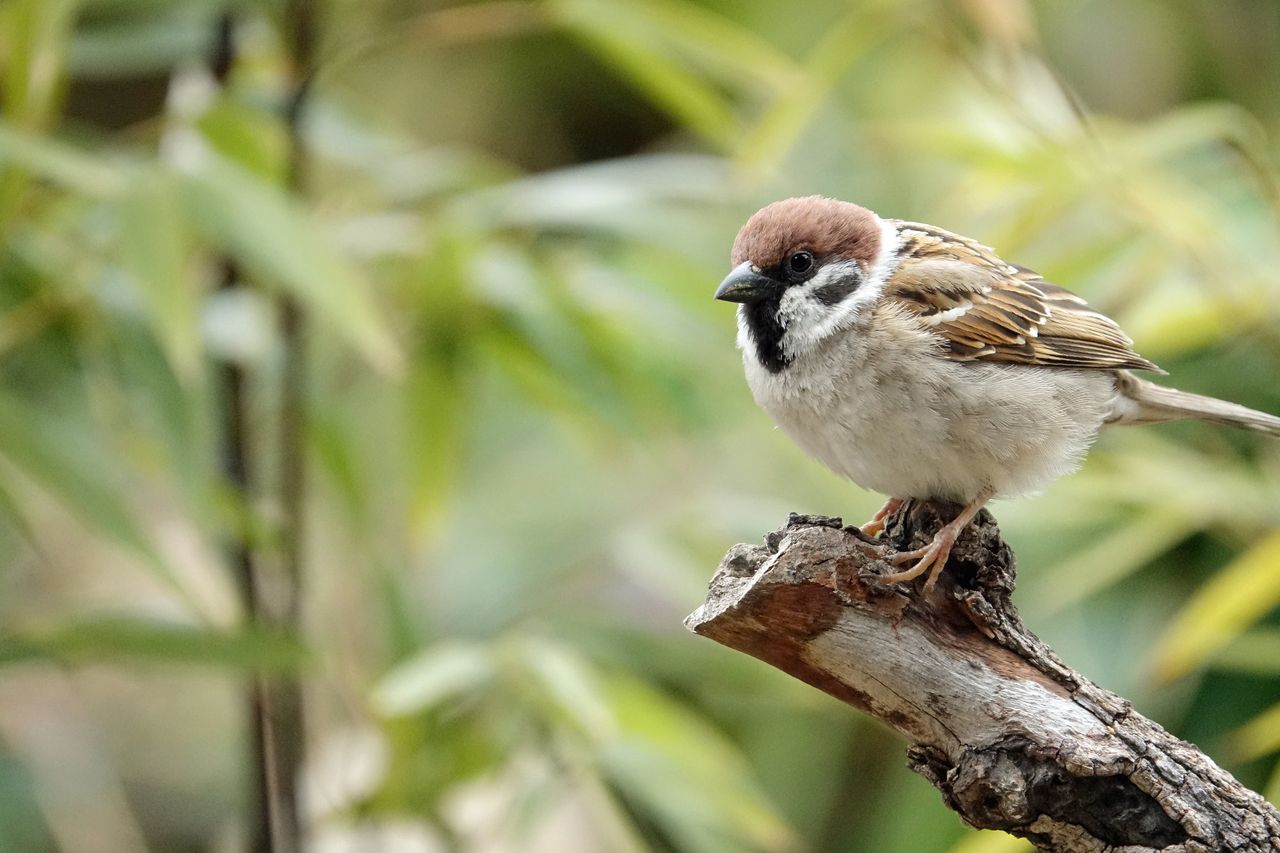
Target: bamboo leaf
[(672, 766), (437, 402), (569, 685), (155, 245), (1255, 652), (432, 676), (991, 841), (252, 139), (784, 122), (732, 53), (1236, 597), (67, 466), (36, 35), (60, 163), (137, 44), (138, 640), (1114, 556), (267, 230), (1258, 737), (620, 33)]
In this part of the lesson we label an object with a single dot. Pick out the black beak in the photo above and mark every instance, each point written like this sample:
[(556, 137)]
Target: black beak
[(746, 284)]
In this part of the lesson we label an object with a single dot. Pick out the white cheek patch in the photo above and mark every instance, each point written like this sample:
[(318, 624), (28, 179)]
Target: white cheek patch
[(799, 308), (808, 320)]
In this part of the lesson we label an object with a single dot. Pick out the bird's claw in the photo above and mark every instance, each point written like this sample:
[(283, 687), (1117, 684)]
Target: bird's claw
[(875, 526), (931, 558)]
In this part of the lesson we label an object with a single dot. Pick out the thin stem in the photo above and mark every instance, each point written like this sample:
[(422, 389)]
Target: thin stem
[(271, 814), (300, 22), (288, 744), (235, 466), (277, 721)]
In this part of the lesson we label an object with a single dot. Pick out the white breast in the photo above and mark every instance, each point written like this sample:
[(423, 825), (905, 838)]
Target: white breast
[(888, 412)]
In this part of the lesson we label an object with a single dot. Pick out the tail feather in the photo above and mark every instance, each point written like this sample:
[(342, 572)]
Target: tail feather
[(1143, 402)]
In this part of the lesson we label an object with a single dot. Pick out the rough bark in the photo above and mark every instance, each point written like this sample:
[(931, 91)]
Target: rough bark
[(1012, 737)]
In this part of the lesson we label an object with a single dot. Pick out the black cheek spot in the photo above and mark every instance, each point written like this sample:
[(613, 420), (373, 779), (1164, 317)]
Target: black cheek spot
[(835, 293)]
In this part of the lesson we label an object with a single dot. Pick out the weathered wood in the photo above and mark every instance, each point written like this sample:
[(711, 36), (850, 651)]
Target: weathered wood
[(1012, 737)]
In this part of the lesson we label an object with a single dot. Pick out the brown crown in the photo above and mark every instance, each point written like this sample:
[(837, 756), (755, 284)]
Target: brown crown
[(824, 226)]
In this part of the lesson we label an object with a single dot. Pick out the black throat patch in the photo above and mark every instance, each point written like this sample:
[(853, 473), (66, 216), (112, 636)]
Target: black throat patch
[(766, 332)]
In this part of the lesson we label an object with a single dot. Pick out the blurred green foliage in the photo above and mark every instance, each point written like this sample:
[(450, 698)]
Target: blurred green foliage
[(529, 436)]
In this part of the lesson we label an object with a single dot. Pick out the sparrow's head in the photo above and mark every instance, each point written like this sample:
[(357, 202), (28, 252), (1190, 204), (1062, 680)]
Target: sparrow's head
[(803, 269)]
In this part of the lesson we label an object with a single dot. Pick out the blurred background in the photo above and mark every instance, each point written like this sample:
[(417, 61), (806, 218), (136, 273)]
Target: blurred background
[(358, 360)]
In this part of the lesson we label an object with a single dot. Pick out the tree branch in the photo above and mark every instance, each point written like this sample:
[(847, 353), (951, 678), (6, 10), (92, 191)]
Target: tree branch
[(1012, 737)]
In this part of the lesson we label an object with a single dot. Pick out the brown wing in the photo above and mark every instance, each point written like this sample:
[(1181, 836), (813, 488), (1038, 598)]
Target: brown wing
[(986, 309)]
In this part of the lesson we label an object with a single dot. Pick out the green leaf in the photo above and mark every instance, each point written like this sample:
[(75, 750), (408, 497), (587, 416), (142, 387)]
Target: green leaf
[(47, 158), (252, 139), (135, 640), (147, 42), (623, 35), (335, 453), (1114, 556), (35, 38), (764, 146), (1201, 125), (1255, 652), (436, 403), (1258, 737), (733, 54), (686, 777), (568, 685), (432, 676), (274, 236), (69, 467), (155, 247), (1236, 597), (992, 841)]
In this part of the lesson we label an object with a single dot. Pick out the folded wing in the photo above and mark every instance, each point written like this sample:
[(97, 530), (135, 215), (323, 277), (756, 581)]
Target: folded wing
[(983, 308)]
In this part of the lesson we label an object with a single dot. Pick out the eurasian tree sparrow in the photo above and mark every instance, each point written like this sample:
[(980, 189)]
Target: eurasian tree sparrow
[(919, 364)]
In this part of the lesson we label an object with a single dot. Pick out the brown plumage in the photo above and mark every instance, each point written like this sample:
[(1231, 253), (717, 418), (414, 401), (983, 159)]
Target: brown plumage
[(986, 309), (824, 226)]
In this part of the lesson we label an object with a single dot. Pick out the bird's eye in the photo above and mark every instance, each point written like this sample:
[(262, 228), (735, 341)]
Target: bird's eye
[(800, 264)]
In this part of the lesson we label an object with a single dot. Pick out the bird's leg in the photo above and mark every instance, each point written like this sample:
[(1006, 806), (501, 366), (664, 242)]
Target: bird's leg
[(875, 526), (932, 557)]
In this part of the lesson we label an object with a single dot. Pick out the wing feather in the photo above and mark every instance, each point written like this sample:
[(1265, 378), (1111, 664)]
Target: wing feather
[(983, 308)]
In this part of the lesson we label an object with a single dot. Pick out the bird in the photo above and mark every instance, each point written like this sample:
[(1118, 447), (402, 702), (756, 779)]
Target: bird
[(919, 364)]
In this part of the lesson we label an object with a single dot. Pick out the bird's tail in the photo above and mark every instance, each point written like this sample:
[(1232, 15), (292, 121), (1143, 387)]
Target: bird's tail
[(1144, 402)]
